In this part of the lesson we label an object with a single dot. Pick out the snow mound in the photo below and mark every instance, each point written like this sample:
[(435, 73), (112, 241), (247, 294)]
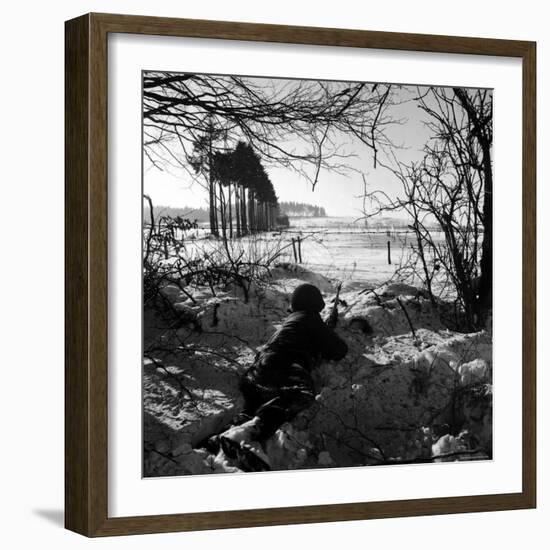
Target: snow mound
[(409, 389), (382, 311), (399, 407), (295, 274)]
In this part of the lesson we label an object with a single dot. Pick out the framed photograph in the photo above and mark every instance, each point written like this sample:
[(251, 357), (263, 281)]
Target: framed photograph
[(300, 275)]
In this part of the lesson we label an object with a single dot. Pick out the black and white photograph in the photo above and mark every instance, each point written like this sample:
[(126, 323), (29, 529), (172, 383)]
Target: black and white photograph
[(317, 269), (274, 275)]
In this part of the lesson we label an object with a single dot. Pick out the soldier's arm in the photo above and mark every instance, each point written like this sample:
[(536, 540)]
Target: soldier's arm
[(330, 344)]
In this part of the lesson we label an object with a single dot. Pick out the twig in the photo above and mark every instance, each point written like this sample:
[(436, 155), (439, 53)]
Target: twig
[(407, 316), (158, 364)]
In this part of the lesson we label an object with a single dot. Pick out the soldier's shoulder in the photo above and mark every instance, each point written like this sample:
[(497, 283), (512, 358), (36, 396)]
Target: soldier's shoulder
[(303, 317)]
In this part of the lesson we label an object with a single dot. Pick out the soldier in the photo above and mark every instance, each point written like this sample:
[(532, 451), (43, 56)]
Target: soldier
[(279, 384)]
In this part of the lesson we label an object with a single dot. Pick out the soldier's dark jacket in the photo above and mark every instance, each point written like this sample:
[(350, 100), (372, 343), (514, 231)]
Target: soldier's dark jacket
[(279, 384), (304, 339)]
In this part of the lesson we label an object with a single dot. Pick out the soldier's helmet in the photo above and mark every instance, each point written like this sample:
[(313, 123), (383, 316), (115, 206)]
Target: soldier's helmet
[(307, 297)]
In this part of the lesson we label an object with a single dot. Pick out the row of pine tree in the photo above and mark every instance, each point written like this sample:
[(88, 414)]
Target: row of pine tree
[(242, 198)]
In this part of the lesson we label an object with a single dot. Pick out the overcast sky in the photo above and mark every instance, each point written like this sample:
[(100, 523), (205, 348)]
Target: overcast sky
[(339, 195)]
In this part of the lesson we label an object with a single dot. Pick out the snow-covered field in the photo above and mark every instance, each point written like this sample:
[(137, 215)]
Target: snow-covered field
[(410, 389), (342, 248), (347, 249)]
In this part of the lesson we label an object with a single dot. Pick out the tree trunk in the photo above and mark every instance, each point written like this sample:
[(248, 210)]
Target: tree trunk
[(485, 286), (211, 204), (222, 211), (211, 192), (244, 210), (230, 211), (251, 218), (485, 289), (238, 209)]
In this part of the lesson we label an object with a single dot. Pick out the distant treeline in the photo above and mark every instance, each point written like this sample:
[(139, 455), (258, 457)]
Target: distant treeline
[(301, 209), (198, 214), (201, 215)]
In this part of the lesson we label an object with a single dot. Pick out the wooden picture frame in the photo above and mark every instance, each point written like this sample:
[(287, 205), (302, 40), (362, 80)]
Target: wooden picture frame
[(86, 223)]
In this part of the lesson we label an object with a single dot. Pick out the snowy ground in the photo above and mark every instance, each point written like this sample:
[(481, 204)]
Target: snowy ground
[(409, 389), (339, 248)]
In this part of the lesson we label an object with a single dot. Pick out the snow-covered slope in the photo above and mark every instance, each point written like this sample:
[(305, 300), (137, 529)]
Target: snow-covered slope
[(409, 389)]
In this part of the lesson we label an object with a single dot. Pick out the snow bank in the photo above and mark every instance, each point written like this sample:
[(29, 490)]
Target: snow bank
[(409, 389)]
